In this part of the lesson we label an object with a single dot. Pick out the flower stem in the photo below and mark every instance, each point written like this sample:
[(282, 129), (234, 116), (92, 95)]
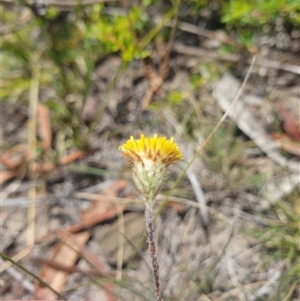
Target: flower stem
[(152, 248)]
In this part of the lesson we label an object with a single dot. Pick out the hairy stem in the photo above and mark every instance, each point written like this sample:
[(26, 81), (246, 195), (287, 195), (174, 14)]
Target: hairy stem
[(152, 248)]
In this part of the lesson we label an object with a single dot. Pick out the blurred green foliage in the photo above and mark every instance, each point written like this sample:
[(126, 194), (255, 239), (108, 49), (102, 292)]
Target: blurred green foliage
[(118, 33), (66, 45), (252, 13), (260, 12)]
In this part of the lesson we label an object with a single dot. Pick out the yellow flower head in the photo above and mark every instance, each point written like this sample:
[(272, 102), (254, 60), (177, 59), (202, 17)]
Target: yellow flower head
[(149, 159), (156, 148)]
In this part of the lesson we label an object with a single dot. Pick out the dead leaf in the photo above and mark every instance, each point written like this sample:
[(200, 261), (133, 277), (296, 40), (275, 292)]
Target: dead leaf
[(100, 266), (57, 266), (67, 159), (94, 260), (61, 267), (7, 175), (95, 215), (44, 126), (290, 126), (103, 209), (15, 156), (66, 253), (287, 144), (66, 256)]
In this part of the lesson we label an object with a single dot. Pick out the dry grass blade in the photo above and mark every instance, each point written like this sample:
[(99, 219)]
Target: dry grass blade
[(45, 284), (17, 276)]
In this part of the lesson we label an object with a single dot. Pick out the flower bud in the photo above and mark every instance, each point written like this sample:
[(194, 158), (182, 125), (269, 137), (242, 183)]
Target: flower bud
[(149, 159)]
